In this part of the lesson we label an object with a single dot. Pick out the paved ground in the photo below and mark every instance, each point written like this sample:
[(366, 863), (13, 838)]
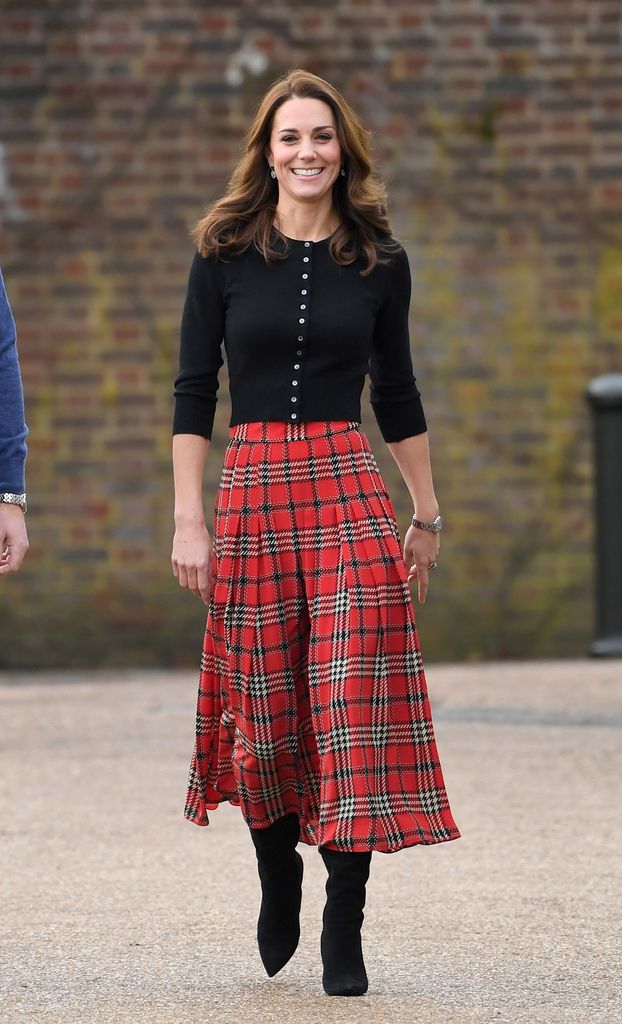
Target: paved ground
[(116, 909)]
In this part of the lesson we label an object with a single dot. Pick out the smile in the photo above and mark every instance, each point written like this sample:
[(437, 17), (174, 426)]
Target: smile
[(307, 172)]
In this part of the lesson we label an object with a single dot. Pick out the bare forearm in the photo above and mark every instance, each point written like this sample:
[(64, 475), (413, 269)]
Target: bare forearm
[(189, 454), (412, 456)]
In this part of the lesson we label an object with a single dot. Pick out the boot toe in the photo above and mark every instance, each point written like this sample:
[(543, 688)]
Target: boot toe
[(275, 955)]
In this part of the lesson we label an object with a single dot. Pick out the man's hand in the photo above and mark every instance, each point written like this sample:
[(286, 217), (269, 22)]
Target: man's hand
[(13, 538)]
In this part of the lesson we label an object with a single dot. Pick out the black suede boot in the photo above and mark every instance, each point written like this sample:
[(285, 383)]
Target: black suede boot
[(280, 868), (342, 956)]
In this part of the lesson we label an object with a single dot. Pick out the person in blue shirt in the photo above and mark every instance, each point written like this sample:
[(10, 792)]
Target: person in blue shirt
[(13, 447)]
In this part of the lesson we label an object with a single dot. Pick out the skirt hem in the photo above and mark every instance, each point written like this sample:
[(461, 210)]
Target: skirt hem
[(199, 817)]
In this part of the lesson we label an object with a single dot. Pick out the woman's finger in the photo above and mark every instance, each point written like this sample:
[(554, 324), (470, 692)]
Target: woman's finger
[(421, 574), (422, 590), (193, 585), (204, 584)]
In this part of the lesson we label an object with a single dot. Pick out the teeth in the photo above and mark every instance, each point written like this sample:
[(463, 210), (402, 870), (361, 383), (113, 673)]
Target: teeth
[(311, 173)]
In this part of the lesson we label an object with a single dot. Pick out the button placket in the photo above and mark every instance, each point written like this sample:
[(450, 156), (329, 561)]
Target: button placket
[(305, 291)]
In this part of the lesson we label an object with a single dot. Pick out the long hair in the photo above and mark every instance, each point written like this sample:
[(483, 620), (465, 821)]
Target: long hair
[(244, 215)]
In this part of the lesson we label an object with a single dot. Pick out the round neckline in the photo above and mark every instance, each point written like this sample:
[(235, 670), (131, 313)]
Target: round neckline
[(303, 241)]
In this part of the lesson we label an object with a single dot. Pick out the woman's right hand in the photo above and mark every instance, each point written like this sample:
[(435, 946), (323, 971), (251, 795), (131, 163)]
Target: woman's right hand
[(192, 559)]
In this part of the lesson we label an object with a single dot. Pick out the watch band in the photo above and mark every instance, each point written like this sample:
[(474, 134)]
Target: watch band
[(434, 527), (7, 498)]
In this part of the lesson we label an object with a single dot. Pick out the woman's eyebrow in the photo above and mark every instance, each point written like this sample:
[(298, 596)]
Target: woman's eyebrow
[(315, 129)]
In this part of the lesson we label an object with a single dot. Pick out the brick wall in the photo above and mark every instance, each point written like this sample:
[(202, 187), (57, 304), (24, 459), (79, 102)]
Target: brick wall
[(498, 126)]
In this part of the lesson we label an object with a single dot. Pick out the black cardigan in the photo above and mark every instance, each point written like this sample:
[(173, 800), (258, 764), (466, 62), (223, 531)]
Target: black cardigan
[(300, 336)]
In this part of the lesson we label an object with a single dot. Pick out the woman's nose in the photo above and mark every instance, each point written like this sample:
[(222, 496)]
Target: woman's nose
[(306, 150)]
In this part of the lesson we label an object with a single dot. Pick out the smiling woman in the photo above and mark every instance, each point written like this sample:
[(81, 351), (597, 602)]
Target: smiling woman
[(312, 711), (320, 182), (305, 160)]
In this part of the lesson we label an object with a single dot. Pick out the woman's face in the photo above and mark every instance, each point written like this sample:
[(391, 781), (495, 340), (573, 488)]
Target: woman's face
[(304, 138)]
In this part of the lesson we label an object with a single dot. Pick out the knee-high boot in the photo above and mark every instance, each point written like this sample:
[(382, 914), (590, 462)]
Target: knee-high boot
[(280, 869), (342, 955)]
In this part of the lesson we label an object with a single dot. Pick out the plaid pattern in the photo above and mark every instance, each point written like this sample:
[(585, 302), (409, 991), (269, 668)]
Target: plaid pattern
[(312, 693)]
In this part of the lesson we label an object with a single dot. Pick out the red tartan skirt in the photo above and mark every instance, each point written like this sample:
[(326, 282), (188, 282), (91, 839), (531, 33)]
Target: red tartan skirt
[(312, 693)]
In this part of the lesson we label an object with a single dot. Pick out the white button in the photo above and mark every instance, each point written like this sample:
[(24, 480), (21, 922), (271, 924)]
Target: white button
[(305, 259), (301, 321), (304, 291), (294, 382), (300, 337), (305, 276), (303, 306), (293, 416), (298, 351), (296, 366), (294, 399), (307, 243)]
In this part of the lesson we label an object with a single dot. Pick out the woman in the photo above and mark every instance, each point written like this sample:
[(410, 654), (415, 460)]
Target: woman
[(312, 713)]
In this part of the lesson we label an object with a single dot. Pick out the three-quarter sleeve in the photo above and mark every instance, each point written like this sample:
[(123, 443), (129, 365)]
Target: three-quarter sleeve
[(200, 349), (393, 393)]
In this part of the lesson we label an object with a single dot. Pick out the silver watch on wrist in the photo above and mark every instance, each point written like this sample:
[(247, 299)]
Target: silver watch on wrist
[(434, 527), (7, 498)]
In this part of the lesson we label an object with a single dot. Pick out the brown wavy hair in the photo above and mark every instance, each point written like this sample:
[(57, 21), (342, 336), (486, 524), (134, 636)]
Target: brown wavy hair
[(244, 215)]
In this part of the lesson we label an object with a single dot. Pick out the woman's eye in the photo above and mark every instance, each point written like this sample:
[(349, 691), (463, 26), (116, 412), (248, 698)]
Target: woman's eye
[(287, 138)]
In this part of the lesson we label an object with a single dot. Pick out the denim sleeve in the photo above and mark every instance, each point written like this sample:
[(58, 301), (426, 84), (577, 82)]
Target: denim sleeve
[(13, 429)]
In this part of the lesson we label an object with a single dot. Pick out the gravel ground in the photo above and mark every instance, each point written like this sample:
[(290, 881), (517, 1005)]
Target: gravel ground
[(116, 909)]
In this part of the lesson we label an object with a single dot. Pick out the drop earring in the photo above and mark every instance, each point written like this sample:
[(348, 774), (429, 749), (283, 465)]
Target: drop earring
[(343, 171), (272, 172)]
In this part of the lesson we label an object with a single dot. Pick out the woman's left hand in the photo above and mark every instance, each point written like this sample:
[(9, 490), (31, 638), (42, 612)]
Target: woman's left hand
[(420, 548)]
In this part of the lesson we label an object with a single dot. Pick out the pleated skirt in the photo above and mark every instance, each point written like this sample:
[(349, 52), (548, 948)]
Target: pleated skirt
[(312, 693)]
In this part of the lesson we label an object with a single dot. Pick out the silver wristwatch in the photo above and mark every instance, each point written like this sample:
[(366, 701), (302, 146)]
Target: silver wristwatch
[(434, 527), (14, 499)]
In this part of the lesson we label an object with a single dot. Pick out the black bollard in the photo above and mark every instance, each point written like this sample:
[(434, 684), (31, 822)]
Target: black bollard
[(605, 395)]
